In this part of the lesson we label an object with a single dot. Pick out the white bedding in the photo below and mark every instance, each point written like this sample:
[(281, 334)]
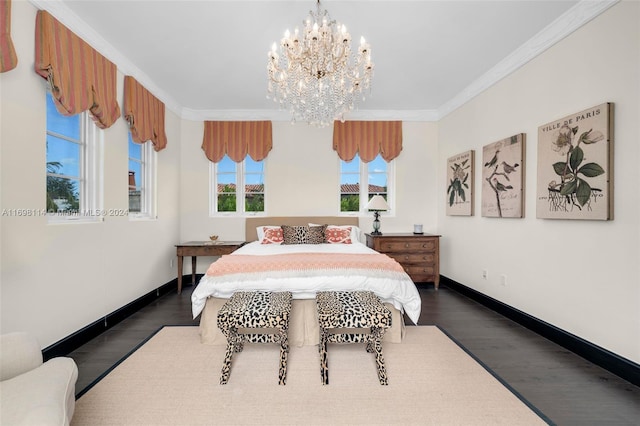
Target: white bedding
[(402, 292)]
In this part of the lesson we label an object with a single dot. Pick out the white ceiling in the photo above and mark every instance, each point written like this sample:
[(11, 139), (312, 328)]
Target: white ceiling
[(207, 59)]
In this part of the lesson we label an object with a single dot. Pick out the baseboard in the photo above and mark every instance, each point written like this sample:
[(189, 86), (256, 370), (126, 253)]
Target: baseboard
[(622, 367), (74, 341)]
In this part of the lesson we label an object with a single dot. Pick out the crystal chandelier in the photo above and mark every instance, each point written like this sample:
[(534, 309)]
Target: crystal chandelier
[(315, 76)]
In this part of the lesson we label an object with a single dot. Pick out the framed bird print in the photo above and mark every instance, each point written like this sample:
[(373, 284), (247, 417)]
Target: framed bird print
[(460, 174), (575, 166), (503, 178)]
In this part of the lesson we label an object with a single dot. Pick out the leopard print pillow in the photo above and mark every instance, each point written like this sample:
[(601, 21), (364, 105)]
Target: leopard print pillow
[(295, 234), (316, 234), (303, 234)]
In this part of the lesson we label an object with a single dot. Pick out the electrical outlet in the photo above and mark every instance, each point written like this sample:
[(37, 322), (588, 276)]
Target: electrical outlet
[(503, 280), (171, 263), (485, 274)]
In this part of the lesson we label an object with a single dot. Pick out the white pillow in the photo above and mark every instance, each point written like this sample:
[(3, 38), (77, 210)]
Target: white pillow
[(356, 233), (260, 230)]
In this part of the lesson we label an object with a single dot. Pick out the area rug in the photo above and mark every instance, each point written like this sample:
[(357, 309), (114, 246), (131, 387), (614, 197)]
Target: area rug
[(173, 379)]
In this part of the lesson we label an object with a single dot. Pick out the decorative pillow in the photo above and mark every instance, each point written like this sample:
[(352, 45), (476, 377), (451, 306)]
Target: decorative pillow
[(261, 229), (295, 234), (356, 233), (272, 236), (335, 235), (316, 234)]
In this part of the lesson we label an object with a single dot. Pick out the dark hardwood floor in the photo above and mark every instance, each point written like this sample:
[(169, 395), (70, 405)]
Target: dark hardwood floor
[(566, 388)]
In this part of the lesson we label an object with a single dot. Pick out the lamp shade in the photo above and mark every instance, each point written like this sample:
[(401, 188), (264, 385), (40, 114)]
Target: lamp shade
[(377, 204)]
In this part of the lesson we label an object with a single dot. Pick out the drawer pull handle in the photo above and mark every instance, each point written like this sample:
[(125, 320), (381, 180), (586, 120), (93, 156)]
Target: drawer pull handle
[(406, 258), (406, 245), (424, 245)]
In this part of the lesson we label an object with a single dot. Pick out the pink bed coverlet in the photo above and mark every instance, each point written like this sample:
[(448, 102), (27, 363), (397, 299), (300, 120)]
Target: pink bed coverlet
[(243, 264)]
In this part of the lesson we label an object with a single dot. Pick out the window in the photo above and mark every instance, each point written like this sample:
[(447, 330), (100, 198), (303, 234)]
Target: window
[(237, 188), (142, 178), (378, 176), (74, 172)]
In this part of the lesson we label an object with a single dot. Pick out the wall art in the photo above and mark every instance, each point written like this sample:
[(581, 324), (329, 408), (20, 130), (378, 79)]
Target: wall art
[(460, 172), (575, 166), (502, 178)]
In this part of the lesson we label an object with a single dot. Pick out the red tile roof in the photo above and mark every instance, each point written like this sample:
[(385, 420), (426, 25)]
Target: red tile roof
[(346, 188)]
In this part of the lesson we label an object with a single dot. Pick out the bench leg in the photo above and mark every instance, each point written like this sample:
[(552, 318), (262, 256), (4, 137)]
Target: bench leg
[(284, 355), (376, 345), (324, 364), (232, 347)]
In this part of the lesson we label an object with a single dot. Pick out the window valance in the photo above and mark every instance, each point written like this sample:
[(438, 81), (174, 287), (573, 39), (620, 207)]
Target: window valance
[(144, 113), (237, 139), (81, 79), (367, 138), (8, 57)]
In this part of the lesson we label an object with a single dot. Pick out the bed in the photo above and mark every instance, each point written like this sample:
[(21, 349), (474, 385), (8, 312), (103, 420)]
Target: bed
[(304, 268)]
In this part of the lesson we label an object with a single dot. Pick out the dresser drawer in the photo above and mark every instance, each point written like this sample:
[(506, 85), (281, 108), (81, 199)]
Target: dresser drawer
[(417, 270), (409, 258), (404, 246), (423, 278), (419, 255)]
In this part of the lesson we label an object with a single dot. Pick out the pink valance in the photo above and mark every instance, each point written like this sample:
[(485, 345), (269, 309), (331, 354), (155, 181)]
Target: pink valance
[(367, 138), (237, 139), (8, 57), (81, 79), (144, 113)]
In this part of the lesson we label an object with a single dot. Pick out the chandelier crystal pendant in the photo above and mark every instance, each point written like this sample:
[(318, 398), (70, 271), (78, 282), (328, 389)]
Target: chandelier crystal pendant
[(315, 76)]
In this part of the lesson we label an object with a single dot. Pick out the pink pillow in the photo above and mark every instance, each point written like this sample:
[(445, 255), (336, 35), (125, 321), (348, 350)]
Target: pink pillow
[(338, 235), (272, 236)]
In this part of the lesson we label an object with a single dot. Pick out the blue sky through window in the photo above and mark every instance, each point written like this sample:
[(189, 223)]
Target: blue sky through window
[(377, 171), (254, 172), (135, 153), (62, 151), (226, 171)]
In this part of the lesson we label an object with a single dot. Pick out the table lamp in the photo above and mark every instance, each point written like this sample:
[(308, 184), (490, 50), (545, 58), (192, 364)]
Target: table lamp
[(376, 205)]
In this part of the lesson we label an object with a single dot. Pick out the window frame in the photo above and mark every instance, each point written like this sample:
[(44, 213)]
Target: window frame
[(240, 173), (91, 173), (148, 180), (364, 195)]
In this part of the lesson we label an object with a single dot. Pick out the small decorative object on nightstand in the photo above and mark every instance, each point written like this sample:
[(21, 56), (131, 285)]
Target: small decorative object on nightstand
[(419, 254), (376, 205)]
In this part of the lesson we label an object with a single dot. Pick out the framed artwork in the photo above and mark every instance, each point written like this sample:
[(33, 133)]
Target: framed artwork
[(502, 178), (575, 166), (460, 190)]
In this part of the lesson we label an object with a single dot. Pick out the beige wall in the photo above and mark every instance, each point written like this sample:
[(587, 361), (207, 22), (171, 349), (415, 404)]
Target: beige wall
[(581, 276), (56, 279), (302, 178)]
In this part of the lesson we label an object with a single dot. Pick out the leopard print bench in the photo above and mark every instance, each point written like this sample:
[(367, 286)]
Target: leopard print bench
[(252, 310), (352, 309)]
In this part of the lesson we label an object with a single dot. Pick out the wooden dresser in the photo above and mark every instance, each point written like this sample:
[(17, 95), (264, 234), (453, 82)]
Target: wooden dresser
[(419, 254)]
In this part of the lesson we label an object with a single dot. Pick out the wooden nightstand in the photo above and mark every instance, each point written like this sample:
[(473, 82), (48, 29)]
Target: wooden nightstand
[(419, 254), (202, 248)]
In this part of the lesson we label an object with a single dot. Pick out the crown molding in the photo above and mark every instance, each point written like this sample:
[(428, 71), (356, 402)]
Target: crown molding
[(561, 27), (280, 115), (565, 24)]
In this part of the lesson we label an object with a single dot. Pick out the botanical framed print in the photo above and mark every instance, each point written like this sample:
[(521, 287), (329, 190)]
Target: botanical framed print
[(460, 190), (502, 178), (575, 166)]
